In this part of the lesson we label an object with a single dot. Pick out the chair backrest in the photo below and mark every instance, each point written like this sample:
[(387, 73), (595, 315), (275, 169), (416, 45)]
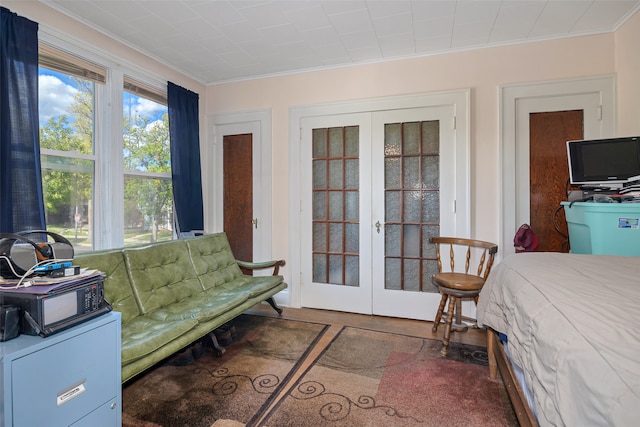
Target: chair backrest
[(487, 252)]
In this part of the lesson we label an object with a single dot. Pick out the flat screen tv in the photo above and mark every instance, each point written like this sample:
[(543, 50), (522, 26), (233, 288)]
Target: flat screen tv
[(604, 162)]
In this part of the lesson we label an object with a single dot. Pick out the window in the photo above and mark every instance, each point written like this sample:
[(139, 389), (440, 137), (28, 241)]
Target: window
[(102, 190), (67, 110), (148, 199)]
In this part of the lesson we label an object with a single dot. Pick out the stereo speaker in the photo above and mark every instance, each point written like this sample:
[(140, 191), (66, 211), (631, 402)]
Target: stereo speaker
[(9, 322)]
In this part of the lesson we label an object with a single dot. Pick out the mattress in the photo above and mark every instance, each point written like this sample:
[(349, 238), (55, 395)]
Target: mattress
[(573, 326)]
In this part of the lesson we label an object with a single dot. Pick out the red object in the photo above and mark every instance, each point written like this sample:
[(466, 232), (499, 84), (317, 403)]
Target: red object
[(525, 239)]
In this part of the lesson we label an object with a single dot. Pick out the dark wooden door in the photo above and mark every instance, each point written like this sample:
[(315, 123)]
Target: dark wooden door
[(549, 174), (238, 194)]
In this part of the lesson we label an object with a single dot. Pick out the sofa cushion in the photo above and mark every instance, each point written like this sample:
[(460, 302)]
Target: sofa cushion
[(251, 285), (161, 274), (117, 289), (213, 260), (143, 336), (202, 307)]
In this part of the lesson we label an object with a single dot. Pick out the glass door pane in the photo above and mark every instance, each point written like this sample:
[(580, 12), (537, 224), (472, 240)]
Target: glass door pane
[(412, 204), (414, 150), (335, 206)]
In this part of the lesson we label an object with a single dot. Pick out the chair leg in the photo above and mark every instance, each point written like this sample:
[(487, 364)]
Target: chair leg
[(458, 326), (447, 326), (273, 305), (217, 348), (436, 322)]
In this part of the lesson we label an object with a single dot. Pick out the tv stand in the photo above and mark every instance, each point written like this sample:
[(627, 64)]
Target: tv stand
[(597, 189)]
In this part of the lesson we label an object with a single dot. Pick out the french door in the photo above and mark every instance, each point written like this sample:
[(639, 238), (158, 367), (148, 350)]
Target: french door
[(336, 215), (415, 199), (375, 187)]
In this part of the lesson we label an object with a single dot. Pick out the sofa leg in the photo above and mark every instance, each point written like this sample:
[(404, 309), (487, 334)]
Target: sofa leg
[(273, 304), (217, 348)]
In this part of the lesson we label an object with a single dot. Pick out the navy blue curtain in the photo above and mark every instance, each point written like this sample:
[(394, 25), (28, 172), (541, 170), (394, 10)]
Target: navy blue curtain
[(21, 199), (184, 134)]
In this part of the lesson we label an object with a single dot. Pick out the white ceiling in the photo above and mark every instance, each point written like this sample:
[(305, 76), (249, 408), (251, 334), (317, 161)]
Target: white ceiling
[(225, 40)]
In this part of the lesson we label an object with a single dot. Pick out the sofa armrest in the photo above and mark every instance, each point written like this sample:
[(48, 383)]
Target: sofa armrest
[(262, 265)]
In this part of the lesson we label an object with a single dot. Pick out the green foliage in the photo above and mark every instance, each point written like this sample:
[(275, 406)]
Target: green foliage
[(146, 149), (65, 182), (146, 145)]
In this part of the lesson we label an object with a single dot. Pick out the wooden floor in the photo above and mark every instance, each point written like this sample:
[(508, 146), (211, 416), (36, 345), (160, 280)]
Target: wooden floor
[(337, 320)]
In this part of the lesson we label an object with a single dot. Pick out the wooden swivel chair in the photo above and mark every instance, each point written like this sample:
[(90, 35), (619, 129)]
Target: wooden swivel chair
[(454, 286)]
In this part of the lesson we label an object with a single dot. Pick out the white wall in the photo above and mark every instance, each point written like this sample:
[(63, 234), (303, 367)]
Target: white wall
[(627, 65), (483, 71)]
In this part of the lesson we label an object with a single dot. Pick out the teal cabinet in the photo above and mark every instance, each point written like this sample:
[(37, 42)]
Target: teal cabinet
[(70, 378)]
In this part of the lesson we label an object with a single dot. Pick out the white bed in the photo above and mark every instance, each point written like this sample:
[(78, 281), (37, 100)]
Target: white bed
[(573, 325)]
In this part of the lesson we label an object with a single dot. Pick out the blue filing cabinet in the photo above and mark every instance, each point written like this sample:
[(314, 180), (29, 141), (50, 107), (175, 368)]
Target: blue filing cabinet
[(69, 378), (603, 228)]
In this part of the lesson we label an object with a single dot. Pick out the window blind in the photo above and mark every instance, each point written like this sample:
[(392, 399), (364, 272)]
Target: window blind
[(145, 91), (64, 62)]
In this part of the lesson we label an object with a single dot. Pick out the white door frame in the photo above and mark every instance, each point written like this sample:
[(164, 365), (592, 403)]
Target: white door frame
[(461, 102), (516, 102), (257, 123)]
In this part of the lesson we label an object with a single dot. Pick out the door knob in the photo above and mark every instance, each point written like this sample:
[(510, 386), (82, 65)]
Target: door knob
[(254, 221), (378, 225)]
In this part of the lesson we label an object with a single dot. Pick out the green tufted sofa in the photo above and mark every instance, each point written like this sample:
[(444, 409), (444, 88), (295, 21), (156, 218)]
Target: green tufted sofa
[(173, 293)]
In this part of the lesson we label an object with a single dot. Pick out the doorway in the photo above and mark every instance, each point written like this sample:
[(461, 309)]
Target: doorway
[(549, 174), (250, 134), (593, 96), (238, 195)]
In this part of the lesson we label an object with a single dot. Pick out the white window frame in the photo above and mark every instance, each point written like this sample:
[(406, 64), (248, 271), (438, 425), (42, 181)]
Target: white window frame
[(108, 193), (137, 173)]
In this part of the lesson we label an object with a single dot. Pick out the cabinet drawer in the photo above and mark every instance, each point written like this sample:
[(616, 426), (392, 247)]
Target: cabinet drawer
[(68, 380), (105, 416)]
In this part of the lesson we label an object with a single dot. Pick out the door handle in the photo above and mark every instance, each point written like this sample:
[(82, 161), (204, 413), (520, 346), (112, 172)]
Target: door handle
[(254, 221), (378, 225)]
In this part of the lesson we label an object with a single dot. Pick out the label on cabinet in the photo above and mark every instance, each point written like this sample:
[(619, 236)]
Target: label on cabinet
[(72, 392)]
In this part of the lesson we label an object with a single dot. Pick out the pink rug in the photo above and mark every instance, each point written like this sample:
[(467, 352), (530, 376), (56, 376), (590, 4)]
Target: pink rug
[(368, 378)]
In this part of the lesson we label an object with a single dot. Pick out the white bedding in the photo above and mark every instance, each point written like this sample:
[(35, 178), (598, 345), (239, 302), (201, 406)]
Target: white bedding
[(573, 325)]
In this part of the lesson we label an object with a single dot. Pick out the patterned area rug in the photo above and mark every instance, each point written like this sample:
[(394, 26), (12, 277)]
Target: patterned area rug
[(368, 378), (360, 378), (237, 386)]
